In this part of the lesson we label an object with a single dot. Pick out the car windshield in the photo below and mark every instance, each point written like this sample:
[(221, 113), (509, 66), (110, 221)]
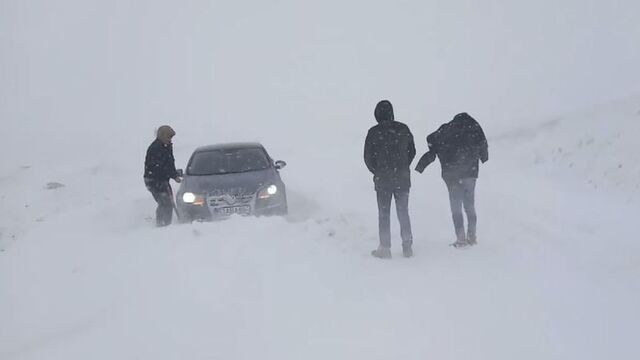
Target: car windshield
[(216, 162)]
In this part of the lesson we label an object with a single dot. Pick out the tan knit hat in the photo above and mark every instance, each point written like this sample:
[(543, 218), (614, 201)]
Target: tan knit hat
[(165, 133)]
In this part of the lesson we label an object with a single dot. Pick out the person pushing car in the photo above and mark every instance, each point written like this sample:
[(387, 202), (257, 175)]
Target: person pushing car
[(159, 168)]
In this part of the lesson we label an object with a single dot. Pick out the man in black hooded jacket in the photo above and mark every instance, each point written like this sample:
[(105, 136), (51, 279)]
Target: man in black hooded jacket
[(459, 144), (388, 152), (159, 168)]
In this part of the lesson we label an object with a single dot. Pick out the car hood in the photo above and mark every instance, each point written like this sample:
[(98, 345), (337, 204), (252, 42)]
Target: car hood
[(239, 183)]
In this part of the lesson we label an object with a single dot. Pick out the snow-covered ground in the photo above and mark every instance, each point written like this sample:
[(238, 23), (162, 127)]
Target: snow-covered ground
[(85, 275)]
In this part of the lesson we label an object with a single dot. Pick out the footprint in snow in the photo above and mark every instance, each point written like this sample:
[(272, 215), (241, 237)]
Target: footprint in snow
[(54, 185)]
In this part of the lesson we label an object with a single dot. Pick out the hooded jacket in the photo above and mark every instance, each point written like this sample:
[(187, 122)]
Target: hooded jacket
[(389, 150), (459, 145), (159, 164)]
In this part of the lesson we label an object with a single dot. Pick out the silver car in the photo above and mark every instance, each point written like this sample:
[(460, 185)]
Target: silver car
[(231, 179)]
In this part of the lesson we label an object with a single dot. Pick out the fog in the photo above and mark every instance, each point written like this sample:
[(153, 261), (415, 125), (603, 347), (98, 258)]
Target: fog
[(93, 72)]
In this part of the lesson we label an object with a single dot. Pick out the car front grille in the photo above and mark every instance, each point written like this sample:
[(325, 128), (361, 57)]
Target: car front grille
[(230, 200)]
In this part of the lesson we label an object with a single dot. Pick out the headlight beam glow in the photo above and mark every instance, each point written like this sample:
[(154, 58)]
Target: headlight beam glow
[(189, 198)]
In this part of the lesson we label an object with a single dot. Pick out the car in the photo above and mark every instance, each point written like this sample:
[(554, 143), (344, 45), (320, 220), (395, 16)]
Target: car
[(231, 179)]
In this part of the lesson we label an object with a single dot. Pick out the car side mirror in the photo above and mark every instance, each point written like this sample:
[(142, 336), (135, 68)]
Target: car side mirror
[(280, 164), (180, 172)]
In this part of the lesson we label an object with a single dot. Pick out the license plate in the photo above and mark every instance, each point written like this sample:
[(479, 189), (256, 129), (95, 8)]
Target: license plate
[(231, 210)]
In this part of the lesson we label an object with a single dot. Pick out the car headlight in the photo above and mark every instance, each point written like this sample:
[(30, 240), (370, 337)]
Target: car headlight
[(270, 191), (189, 198), (193, 199)]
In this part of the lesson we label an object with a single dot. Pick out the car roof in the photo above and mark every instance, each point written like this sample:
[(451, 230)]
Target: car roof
[(230, 146)]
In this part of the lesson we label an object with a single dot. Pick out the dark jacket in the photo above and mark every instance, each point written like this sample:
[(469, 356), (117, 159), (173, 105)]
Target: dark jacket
[(388, 151), (459, 145), (159, 164)]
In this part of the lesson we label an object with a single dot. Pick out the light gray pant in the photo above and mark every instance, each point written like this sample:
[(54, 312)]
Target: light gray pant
[(462, 194)]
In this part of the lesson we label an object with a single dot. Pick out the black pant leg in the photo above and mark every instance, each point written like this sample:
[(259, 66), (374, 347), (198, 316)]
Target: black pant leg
[(402, 209), (164, 212), (161, 193), (384, 214)]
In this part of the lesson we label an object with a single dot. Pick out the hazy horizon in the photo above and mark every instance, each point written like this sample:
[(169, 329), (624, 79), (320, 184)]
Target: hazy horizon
[(121, 67)]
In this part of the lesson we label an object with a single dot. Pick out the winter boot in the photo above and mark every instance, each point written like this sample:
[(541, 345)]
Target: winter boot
[(460, 243), (407, 251), (381, 253), (462, 239), (471, 235)]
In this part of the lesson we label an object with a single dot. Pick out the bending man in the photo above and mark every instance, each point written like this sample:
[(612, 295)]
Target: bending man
[(459, 144)]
